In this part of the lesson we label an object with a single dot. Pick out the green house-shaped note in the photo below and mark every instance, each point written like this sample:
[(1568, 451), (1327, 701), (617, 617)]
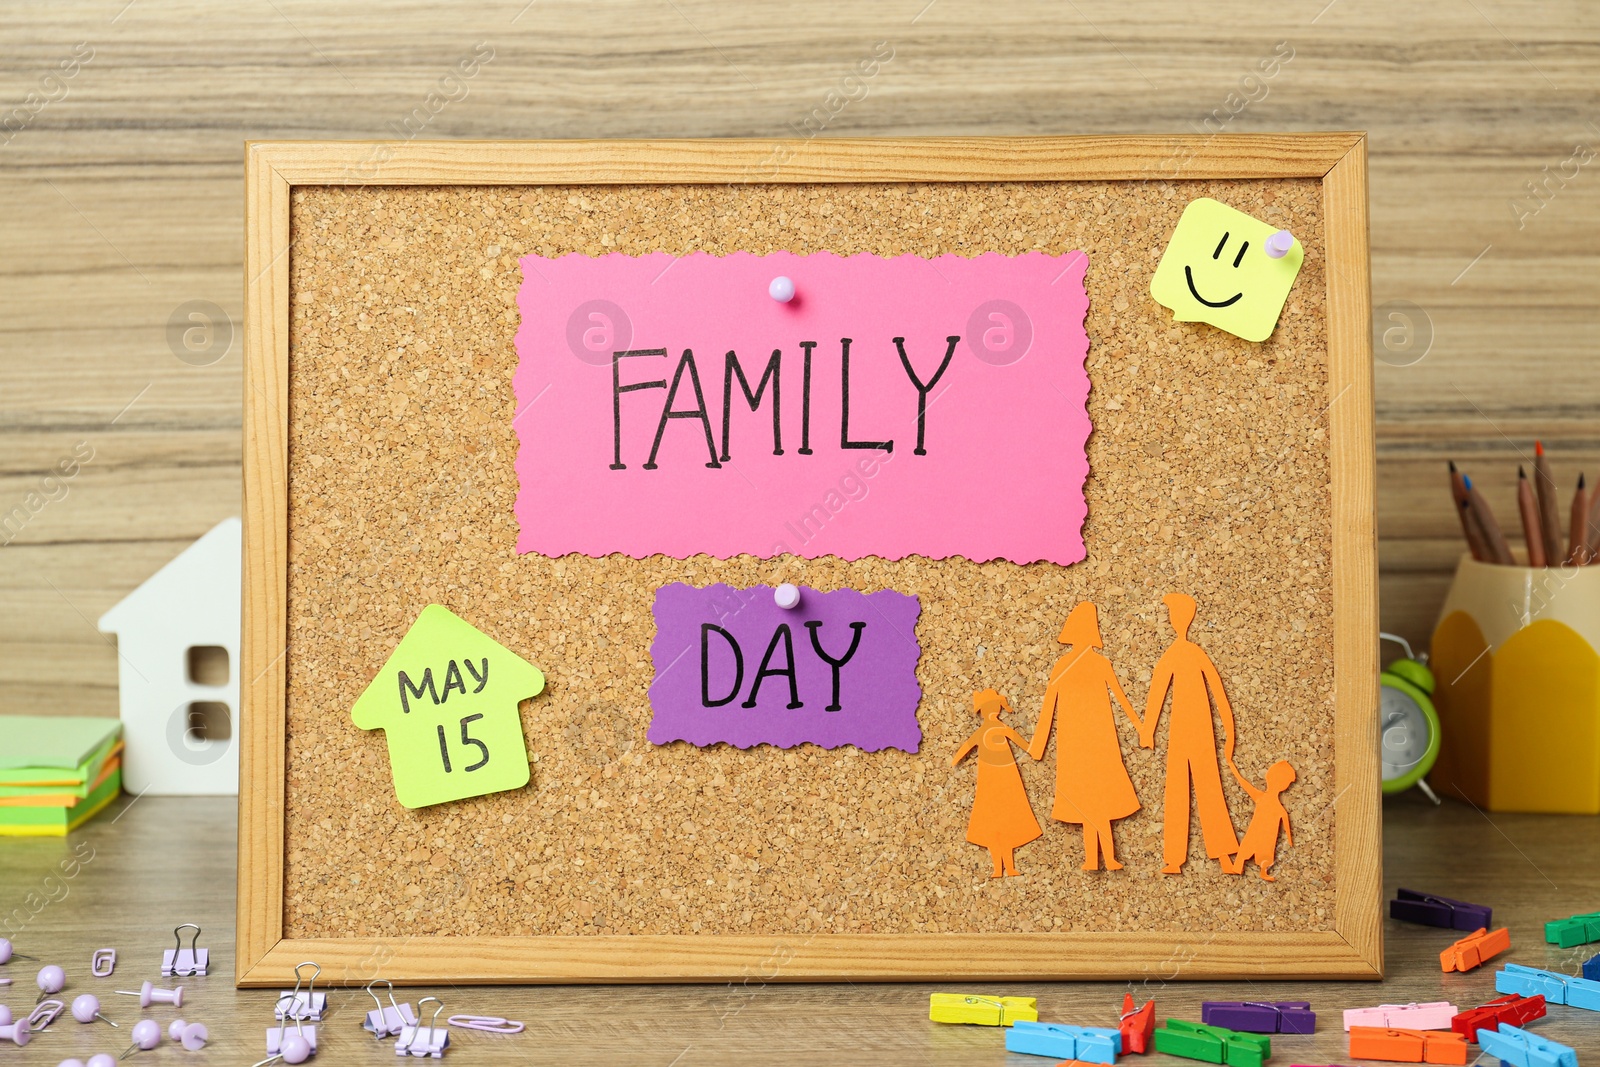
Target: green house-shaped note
[(446, 700)]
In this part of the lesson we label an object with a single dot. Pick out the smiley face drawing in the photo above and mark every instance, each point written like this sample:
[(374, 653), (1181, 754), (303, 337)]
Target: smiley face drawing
[(1217, 269)]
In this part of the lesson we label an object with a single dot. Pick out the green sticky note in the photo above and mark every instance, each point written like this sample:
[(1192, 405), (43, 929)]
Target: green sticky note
[(1216, 269), (446, 700)]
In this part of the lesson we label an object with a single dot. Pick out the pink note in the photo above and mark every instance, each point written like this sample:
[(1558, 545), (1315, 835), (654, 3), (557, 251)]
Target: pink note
[(670, 405)]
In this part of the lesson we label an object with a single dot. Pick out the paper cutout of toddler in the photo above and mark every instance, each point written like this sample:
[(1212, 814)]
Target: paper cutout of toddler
[(1002, 817), (1261, 836)]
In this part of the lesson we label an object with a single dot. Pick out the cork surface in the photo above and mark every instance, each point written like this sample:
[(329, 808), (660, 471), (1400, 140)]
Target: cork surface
[(1208, 475)]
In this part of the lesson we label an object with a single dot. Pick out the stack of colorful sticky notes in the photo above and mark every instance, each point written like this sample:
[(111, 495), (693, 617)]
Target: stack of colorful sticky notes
[(56, 771)]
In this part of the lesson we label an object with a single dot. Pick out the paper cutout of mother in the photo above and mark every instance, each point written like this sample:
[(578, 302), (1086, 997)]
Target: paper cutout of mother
[(1092, 783)]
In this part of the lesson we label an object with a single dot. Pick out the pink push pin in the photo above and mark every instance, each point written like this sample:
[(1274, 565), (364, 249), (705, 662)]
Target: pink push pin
[(786, 596), (101, 1059), (86, 1009), (6, 953), (51, 980), (781, 289), (1278, 244), (191, 1036), (5, 1015), (16, 1033), (146, 1036), (148, 994), (72, 1063)]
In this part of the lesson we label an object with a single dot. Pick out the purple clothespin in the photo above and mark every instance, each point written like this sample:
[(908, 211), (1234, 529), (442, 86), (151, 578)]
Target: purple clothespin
[(183, 962), (1410, 906), (1260, 1017)]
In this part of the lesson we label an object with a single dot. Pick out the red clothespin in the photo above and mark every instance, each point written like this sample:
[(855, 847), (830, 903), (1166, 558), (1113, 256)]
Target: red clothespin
[(1473, 950), (1513, 1008), (1137, 1026)]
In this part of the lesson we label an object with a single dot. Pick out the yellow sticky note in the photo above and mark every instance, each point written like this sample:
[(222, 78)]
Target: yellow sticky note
[(1216, 269), (446, 700)]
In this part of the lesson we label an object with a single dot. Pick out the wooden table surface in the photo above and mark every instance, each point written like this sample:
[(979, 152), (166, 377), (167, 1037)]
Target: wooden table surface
[(146, 866)]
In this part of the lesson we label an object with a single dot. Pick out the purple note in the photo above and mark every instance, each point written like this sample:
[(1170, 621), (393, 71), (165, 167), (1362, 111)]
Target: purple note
[(731, 666)]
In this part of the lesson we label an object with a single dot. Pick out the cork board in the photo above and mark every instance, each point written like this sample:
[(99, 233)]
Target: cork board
[(1219, 468)]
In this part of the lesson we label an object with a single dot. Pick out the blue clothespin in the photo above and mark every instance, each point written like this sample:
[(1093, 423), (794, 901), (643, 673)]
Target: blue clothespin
[(1519, 1048), (1554, 987), (1591, 968), (1089, 1044)]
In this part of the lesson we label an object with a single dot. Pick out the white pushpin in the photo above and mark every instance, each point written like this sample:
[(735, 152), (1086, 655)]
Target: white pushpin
[(148, 994), (786, 596), (781, 289), (1278, 244), (86, 1009)]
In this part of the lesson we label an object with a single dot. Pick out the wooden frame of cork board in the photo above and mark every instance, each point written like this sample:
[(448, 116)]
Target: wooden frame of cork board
[(369, 264)]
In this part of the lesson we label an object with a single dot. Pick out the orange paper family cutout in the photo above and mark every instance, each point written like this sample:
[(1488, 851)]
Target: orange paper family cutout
[(1261, 836), (1191, 742), (1002, 819), (1092, 783)]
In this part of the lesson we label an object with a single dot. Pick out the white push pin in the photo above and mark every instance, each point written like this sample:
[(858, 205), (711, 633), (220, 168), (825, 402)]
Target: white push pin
[(6, 954), (781, 289), (192, 1036), (51, 980), (1278, 244), (786, 596), (146, 1036), (148, 994), (86, 1009), (16, 1033)]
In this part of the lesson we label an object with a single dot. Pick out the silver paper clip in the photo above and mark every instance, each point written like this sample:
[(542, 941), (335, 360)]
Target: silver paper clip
[(386, 1022), (180, 962), (430, 1040)]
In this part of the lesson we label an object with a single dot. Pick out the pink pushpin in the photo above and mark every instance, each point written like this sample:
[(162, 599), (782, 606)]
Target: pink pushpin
[(6, 953), (51, 980), (786, 596), (781, 289), (294, 1048), (191, 1036), (146, 1036), (5, 1015), (71, 1063), (86, 1009), (101, 1059), (148, 994), (1278, 244), (16, 1033)]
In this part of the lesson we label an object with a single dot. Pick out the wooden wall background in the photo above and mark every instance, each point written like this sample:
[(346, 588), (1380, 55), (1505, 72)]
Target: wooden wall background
[(121, 189)]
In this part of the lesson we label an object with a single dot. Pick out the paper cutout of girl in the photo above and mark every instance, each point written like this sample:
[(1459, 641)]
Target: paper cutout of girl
[(1092, 783), (1002, 818), (1261, 836)]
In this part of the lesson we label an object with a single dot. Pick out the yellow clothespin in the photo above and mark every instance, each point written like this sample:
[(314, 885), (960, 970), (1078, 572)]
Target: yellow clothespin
[(981, 1011)]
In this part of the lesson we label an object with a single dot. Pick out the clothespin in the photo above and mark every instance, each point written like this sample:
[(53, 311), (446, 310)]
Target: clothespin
[(1430, 910), (296, 1004), (1471, 951), (1554, 987), (980, 1010), (1518, 1048), (1090, 1044), (430, 1040), (1136, 1027), (1591, 968), (1259, 1016), (180, 962), (1434, 1015), (384, 1022), (1577, 930), (1514, 1009), (1212, 1044), (1407, 1046)]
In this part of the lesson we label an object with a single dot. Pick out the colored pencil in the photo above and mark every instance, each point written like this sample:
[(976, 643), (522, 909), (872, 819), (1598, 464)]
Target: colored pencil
[(1499, 551), (1529, 509), (1591, 537), (1576, 538), (1545, 487), (1469, 528)]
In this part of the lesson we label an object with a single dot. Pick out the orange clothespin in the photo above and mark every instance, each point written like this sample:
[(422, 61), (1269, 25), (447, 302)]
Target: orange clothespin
[(1474, 949), (1136, 1026), (1408, 1046)]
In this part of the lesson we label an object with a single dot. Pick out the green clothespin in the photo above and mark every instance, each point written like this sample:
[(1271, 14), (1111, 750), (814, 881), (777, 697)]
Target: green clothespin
[(1578, 930), (1212, 1044)]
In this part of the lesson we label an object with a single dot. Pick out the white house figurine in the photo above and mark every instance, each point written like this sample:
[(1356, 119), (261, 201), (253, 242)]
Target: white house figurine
[(178, 671)]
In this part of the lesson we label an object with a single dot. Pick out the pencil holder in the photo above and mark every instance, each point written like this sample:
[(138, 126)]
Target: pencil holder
[(1518, 697)]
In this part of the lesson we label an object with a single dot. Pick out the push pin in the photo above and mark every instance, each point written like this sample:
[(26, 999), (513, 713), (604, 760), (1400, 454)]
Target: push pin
[(430, 1040), (16, 1033), (101, 1059), (781, 289), (86, 1009), (180, 962), (385, 1022), (302, 1005), (52, 979), (148, 994), (192, 1036), (44, 1013), (146, 1036), (6, 954), (786, 596), (103, 962), (1278, 244), (296, 1047)]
